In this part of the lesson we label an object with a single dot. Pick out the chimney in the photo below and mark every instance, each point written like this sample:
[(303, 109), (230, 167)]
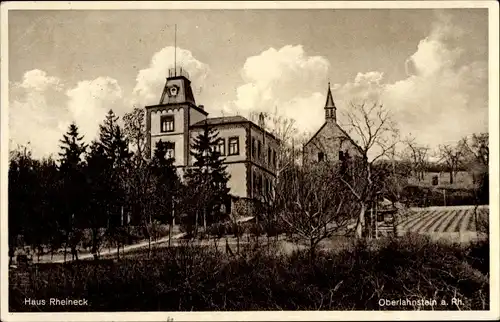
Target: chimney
[(261, 120), (201, 106)]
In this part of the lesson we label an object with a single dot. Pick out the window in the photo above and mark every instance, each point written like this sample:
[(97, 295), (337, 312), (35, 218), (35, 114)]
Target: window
[(321, 156), (269, 155), (220, 146), (170, 150), (341, 155), (234, 146), (167, 123), (259, 150), (266, 186), (254, 147), (274, 158)]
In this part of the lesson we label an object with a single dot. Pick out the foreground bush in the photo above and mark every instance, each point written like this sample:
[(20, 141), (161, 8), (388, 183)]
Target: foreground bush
[(198, 278)]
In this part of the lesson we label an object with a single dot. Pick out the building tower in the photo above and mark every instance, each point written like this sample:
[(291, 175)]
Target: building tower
[(169, 121), (330, 109)]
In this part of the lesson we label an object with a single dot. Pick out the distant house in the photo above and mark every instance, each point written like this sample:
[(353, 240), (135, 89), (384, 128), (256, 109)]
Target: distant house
[(249, 150), (330, 142)]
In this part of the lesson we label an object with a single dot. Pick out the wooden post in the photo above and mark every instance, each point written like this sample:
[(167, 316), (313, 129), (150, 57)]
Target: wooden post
[(196, 223), (371, 221), (204, 219), (170, 223)]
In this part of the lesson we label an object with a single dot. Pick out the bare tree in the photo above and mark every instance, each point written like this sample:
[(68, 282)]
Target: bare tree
[(452, 157), (312, 206), (417, 155), (142, 200), (373, 127), (287, 134), (135, 129), (475, 150)]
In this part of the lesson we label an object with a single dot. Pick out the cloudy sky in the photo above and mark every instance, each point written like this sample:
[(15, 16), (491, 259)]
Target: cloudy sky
[(429, 67)]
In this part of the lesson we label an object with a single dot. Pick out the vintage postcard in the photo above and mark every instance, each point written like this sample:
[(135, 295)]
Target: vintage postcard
[(249, 161)]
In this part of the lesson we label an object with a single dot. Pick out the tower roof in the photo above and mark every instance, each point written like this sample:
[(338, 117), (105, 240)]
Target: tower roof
[(177, 88), (329, 98)]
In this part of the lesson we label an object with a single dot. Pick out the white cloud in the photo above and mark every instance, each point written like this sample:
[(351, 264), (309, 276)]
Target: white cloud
[(365, 87), (36, 113), (90, 101), (446, 95), (41, 110), (42, 107), (150, 81), (288, 79), (37, 80), (443, 98)]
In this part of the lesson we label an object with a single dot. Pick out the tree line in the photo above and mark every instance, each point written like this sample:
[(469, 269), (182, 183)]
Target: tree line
[(91, 193), (107, 186)]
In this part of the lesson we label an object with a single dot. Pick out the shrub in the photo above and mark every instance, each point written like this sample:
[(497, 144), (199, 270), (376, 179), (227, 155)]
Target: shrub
[(235, 229), (256, 229), (217, 229), (200, 278)]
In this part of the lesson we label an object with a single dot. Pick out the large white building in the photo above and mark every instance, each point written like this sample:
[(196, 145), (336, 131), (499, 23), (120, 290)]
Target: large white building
[(249, 150)]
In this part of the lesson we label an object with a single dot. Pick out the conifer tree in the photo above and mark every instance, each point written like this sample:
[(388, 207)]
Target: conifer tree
[(22, 198), (46, 228), (72, 177), (207, 179), (98, 196), (113, 145), (72, 149), (167, 183), (107, 134)]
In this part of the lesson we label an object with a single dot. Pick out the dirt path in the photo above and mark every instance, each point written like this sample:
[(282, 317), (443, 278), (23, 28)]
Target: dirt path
[(107, 252)]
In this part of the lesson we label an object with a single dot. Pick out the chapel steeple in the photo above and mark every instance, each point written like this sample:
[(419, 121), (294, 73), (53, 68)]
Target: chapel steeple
[(330, 109)]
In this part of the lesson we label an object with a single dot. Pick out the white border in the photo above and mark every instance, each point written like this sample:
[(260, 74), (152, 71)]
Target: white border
[(263, 315)]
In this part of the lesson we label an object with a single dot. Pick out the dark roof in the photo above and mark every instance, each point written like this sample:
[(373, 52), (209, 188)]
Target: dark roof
[(341, 130), (222, 120), (329, 99), (229, 120)]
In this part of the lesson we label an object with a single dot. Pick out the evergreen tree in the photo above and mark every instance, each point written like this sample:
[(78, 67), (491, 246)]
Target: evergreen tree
[(98, 194), (167, 182), (72, 149), (73, 180), (115, 166), (207, 179), (109, 166), (49, 203), (22, 198), (107, 135)]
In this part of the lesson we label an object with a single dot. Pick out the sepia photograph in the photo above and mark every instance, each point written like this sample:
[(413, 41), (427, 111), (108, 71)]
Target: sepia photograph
[(249, 160)]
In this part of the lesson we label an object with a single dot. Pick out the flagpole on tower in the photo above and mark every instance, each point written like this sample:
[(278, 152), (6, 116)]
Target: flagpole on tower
[(175, 51)]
